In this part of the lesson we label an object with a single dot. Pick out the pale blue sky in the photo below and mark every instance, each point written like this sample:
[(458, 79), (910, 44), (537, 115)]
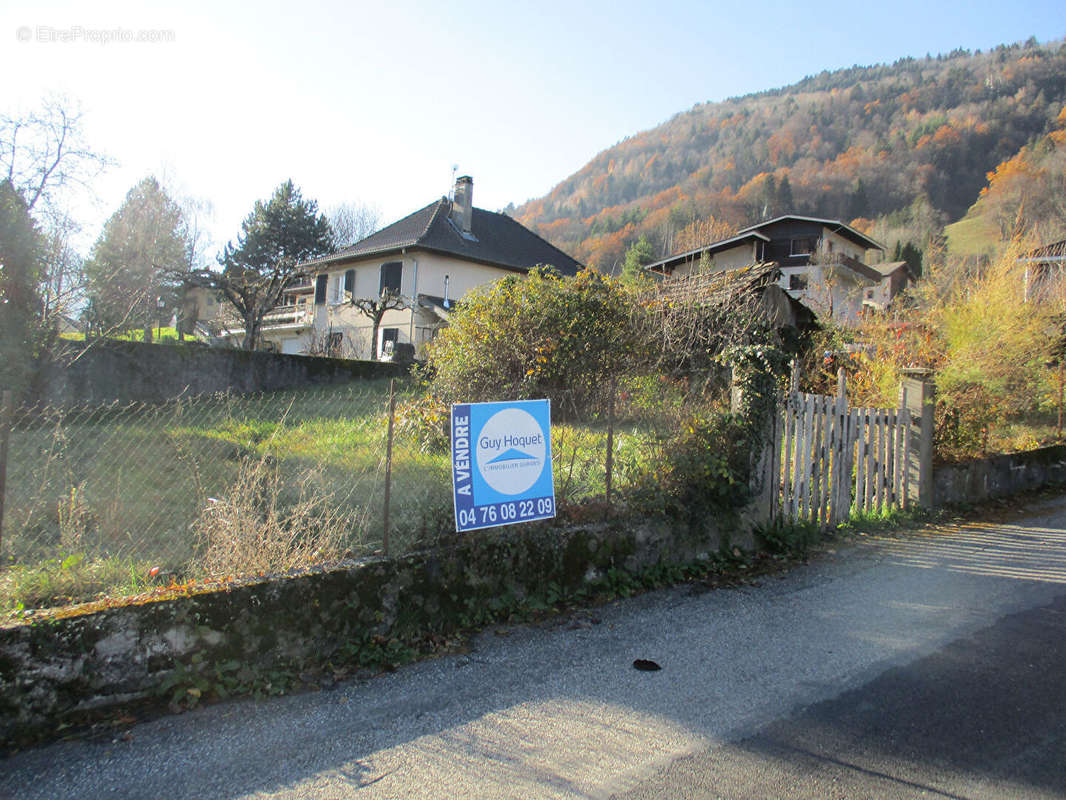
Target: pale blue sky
[(374, 102)]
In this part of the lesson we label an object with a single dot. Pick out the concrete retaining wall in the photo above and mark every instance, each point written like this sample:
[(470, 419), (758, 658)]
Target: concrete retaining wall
[(999, 476), (280, 633), (139, 372)]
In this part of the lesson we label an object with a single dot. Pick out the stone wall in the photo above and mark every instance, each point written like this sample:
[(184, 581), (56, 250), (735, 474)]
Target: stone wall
[(277, 633), (139, 372), (999, 476)]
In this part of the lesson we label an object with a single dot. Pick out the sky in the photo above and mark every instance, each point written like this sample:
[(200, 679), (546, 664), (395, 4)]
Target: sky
[(374, 103)]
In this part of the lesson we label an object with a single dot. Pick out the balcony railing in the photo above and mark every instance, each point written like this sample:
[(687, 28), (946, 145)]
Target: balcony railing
[(286, 315)]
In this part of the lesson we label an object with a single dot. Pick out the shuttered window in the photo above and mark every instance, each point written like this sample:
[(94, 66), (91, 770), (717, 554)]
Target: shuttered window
[(391, 275)]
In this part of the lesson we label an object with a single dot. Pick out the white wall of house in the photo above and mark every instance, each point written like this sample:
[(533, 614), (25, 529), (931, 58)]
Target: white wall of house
[(878, 295), (742, 255), (836, 244), (830, 289), (422, 273)]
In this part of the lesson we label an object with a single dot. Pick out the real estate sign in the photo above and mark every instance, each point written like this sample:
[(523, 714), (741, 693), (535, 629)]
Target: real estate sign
[(502, 463)]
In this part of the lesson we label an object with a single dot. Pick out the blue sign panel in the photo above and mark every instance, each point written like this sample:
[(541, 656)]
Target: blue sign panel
[(502, 463)]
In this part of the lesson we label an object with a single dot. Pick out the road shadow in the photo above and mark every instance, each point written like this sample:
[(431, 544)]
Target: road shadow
[(980, 718)]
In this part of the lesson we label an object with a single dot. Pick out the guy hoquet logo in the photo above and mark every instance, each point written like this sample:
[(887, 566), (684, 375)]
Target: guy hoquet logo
[(511, 451)]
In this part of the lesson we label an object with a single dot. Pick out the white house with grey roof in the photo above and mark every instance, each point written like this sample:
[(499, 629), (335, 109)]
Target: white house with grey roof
[(430, 258)]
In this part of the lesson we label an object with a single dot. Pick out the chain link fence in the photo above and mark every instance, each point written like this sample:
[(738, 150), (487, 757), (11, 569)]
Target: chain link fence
[(116, 499)]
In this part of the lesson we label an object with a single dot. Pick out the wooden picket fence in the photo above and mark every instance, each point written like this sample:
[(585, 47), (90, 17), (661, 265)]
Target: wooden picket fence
[(826, 460)]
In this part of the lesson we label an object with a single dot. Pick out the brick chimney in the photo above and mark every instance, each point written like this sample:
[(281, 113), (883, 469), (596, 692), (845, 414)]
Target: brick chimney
[(463, 204)]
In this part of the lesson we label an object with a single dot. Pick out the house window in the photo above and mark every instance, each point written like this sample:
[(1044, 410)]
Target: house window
[(391, 274), (333, 343), (349, 281), (869, 294), (321, 282), (336, 293), (797, 282), (803, 246)]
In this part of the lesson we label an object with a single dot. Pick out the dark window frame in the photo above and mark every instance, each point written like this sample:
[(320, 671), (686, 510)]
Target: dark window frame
[(391, 277)]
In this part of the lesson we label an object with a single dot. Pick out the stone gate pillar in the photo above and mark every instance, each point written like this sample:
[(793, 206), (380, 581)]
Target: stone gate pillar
[(917, 394)]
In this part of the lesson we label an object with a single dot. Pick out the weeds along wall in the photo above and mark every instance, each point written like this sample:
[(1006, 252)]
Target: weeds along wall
[(110, 370)]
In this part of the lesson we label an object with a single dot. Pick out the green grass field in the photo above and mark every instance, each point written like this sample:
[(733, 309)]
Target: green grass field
[(973, 236), (163, 334), (109, 501)]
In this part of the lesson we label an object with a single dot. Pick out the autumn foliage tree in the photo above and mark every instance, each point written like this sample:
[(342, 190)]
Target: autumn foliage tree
[(911, 140), (1027, 192), (986, 344)]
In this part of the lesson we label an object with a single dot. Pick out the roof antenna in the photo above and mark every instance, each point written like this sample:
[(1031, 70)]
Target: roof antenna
[(451, 186)]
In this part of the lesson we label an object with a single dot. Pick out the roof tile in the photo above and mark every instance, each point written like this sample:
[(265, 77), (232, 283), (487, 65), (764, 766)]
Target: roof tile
[(497, 240)]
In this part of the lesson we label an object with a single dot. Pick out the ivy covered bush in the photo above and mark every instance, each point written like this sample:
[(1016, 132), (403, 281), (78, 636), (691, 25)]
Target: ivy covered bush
[(702, 468)]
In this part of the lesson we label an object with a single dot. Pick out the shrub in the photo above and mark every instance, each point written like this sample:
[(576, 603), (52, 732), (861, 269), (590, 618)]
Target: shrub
[(425, 420), (985, 343), (702, 468), (542, 335)]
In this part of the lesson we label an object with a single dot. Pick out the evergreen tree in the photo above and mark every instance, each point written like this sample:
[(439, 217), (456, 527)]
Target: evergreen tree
[(638, 254), (133, 272), (22, 333), (275, 238), (784, 201), (913, 256), (859, 202)]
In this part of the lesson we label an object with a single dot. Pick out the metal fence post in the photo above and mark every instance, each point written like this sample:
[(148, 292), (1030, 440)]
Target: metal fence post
[(610, 441), (5, 437), (388, 465)]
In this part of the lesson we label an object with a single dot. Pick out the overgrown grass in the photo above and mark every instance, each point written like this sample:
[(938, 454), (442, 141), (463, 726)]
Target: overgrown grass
[(73, 578), (884, 520), (162, 334), (105, 501)]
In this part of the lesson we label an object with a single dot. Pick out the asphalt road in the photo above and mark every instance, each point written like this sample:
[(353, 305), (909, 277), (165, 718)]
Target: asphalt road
[(927, 665)]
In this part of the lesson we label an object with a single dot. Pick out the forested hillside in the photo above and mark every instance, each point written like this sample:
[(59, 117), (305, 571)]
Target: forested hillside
[(901, 149)]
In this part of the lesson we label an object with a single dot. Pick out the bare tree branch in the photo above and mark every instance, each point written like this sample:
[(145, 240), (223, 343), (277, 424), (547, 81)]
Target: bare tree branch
[(374, 310)]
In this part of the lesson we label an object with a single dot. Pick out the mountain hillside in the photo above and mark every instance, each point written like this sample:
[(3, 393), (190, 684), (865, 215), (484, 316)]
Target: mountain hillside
[(901, 149), (1025, 194)]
